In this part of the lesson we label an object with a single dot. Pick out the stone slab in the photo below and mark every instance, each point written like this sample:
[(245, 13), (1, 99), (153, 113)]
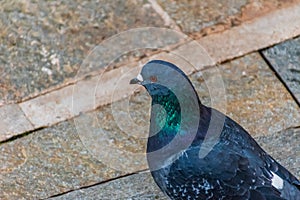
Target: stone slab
[(201, 18), (194, 16), (135, 187), (254, 96), (284, 147), (13, 122), (285, 60), (48, 162), (43, 43), (267, 30), (93, 147), (83, 96)]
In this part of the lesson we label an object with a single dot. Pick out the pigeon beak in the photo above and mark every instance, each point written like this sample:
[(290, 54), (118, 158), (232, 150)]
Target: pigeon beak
[(137, 80)]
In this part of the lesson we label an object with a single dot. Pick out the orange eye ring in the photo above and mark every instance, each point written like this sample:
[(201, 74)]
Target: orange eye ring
[(153, 79)]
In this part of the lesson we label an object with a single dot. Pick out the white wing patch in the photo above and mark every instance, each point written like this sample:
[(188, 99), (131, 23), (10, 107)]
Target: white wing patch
[(277, 182)]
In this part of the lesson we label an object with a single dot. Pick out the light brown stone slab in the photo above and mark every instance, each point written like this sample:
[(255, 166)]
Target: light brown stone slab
[(84, 96), (259, 33), (13, 121)]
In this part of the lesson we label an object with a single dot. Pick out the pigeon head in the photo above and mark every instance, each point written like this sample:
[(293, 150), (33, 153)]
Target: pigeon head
[(160, 77), (175, 105)]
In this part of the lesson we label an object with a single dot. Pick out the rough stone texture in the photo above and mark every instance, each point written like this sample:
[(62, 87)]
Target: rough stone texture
[(195, 54), (99, 146), (253, 35), (134, 187), (200, 18), (43, 43), (255, 97), (83, 96), (130, 46), (13, 121), (193, 16), (283, 147), (115, 138), (48, 162), (164, 15), (285, 59)]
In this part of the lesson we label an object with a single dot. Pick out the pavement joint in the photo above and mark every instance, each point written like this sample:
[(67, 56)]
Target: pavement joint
[(99, 183), (280, 78), (164, 15)]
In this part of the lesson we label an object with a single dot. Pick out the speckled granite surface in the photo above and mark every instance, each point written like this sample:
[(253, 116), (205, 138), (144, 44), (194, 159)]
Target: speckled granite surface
[(285, 59), (200, 18), (43, 43)]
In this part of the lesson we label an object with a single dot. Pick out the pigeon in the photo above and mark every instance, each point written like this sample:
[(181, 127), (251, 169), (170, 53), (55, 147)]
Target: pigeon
[(197, 152)]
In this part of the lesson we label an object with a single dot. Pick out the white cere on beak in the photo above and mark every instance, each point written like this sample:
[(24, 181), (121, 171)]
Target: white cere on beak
[(277, 182), (140, 78)]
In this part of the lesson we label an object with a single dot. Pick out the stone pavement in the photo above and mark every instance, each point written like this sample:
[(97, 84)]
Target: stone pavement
[(71, 129)]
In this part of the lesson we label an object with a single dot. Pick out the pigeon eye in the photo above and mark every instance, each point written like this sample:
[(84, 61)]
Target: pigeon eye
[(153, 79)]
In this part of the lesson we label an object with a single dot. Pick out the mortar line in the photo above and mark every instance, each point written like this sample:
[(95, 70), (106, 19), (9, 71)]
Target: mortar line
[(98, 183), (164, 15), (24, 134), (279, 77)]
